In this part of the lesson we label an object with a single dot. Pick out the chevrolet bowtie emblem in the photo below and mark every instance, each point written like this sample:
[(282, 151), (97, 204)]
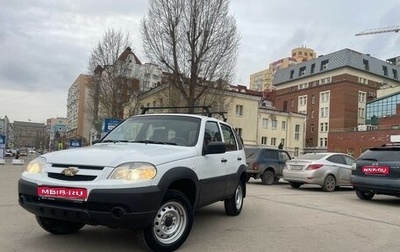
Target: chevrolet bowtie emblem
[(70, 171)]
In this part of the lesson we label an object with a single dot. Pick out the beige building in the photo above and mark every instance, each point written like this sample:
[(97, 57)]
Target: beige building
[(79, 124), (257, 123), (262, 80)]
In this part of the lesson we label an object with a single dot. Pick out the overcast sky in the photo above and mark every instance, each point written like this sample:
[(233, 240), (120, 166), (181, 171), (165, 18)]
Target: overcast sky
[(46, 44)]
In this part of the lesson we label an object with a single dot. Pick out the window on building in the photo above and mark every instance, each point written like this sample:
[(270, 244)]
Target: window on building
[(300, 53), (325, 80), (313, 99), (361, 112), (265, 123), (312, 128), (323, 142), (361, 97), (239, 110), (274, 124), (363, 80), (312, 68), (294, 54), (291, 103), (312, 113), (297, 132), (385, 70), (366, 64), (273, 141), (283, 125), (324, 112), (303, 86), (302, 71), (303, 100), (324, 96), (324, 65), (291, 74), (395, 76), (324, 127), (264, 140)]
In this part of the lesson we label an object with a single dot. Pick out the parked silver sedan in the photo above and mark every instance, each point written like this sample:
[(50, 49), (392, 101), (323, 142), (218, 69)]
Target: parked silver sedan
[(329, 170)]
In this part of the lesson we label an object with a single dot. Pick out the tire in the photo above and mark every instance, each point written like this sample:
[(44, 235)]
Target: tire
[(58, 227), (329, 184), (364, 195), (234, 205), (295, 185), (247, 177), (268, 177), (171, 225)]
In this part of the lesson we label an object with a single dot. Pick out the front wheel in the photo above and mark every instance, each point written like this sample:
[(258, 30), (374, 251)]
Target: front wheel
[(171, 225), (233, 205), (364, 195), (58, 227)]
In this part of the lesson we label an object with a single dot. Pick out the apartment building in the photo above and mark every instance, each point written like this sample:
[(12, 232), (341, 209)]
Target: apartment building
[(332, 90), (262, 80), (78, 109)]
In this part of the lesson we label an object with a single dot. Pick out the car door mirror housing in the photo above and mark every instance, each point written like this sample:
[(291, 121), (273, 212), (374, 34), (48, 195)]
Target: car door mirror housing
[(215, 148)]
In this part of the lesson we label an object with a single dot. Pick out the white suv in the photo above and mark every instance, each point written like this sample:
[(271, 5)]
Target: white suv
[(149, 173)]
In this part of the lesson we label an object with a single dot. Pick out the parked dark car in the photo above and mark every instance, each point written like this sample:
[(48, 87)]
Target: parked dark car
[(377, 171), (265, 164)]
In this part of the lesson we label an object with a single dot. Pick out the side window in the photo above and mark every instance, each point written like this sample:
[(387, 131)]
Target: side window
[(229, 138), (283, 156), (270, 154), (212, 133), (336, 159)]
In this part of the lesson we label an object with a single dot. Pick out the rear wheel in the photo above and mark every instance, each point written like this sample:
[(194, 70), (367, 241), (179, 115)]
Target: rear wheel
[(233, 205), (268, 177), (58, 227), (295, 184), (329, 184), (364, 195), (171, 225)]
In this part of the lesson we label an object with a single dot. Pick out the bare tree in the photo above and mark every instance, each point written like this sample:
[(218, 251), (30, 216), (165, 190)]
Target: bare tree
[(196, 41), (110, 66)]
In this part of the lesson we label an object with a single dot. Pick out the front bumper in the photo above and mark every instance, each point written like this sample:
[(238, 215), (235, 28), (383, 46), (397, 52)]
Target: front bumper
[(132, 208)]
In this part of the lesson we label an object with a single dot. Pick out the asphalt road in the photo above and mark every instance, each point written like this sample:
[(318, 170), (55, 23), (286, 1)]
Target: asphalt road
[(274, 218)]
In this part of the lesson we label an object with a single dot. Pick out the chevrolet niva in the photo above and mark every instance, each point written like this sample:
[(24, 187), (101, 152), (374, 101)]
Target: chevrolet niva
[(149, 173)]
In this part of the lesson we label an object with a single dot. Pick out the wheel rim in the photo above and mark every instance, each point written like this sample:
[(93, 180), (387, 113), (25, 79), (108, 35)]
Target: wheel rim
[(330, 183), (238, 197), (170, 222)]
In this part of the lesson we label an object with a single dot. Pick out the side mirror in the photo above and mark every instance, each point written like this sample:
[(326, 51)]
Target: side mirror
[(215, 148)]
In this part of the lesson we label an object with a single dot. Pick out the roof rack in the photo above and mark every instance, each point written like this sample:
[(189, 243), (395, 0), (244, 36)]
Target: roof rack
[(206, 109)]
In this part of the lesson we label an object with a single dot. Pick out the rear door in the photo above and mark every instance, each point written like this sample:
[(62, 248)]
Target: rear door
[(341, 166)]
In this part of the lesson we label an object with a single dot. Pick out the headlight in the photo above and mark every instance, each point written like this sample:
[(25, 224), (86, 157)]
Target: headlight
[(36, 166), (134, 171)]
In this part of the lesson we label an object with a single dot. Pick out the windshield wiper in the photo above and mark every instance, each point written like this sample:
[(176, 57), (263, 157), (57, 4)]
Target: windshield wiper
[(152, 142), (114, 141)]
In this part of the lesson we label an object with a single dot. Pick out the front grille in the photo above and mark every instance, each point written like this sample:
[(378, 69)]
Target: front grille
[(71, 178), (81, 167)]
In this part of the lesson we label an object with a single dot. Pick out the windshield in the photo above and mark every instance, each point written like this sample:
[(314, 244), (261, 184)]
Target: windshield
[(158, 129)]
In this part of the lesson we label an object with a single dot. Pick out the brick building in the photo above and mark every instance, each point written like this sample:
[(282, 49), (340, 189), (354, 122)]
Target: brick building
[(332, 90)]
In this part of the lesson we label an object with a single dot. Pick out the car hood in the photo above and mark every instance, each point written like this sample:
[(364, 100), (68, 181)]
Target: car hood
[(113, 154)]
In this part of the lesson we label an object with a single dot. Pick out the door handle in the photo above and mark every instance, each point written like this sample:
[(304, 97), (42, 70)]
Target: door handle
[(224, 160), (239, 158)]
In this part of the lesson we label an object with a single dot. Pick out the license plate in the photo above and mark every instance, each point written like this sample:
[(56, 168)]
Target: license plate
[(371, 170), (296, 167), (62, 192)]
